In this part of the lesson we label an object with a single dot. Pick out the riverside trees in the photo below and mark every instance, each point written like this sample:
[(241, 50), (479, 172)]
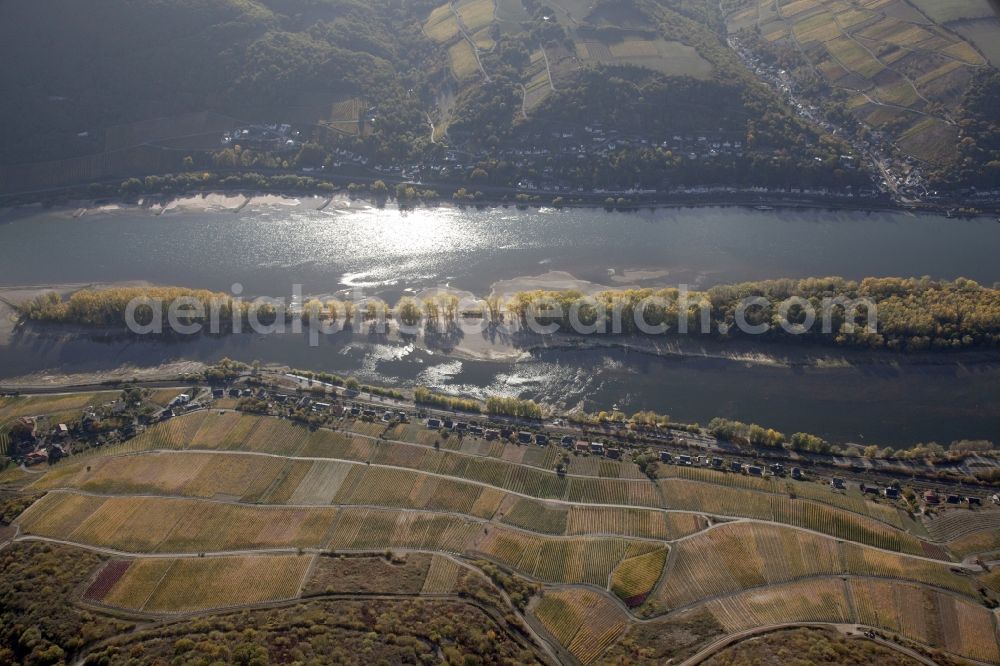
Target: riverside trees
[(895, 314)]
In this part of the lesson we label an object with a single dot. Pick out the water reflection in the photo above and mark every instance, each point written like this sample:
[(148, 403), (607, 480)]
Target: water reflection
[(876, 402)]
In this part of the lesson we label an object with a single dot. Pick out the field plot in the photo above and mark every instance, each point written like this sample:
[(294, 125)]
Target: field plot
[(149, 524), (484, 470), (344, 446), (278, 489), (215, 427), (106, 579), (176, 433), (807, 490), (442, 575), (11, 408), (368, 575), (156, 473), (957, 523), (868, 562), (737, 556), (808, 601), (889, 56), (321, 483), (556, 560), (405, 489), (441, 26), (208, 475), (927, 616), (379, 529), (984, 34), (668, 57), (230, 476), (194, 584), (602, 467), (58, 514), (632, 522), (944, 11), (693, 496), (412, 456), (345, 115), (585, 622), (613, 491), (463, 61), (476, 14), (537, 516), (986, 541), (635, 577), (276, 436), (536, 81)]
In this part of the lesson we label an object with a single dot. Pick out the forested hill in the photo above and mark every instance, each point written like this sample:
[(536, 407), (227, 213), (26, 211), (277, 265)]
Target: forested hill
[(80, 67), (564, 96)]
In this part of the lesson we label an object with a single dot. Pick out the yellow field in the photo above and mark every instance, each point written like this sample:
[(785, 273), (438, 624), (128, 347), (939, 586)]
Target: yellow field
[(584, 622), (476, 14), (868, 562), (442, 26), (669, 57), (977, 542), (320, 484), (555, 560), (613, 491), (807, 490), (694, 496), (214, 429), (738, 556), (11, 408), (927, 616), (635, 576), (57, 514), (809, 601), (632, 522), (381, 529), (463, 61), (149, 525), (194, 584)]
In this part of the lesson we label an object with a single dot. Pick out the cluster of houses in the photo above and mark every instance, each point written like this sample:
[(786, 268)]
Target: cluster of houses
[(272, 137), (898, 173), (932, 498), (36, 441), (34, 444)]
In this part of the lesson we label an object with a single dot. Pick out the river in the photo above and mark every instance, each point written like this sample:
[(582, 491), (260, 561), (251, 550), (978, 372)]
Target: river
[(267, 248)]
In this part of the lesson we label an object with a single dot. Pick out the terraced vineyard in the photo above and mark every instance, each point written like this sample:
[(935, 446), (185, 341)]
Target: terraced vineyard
[(14, 407), (193, 584), (967, 532), (690, 495), (151, 525), (927, 616), (779, 486), (867, 562), (902, 65), (202, 502), (811, 601), (739, 556), (378, 529), (731, 558), (952, 525), (555, 560), (585, 622), (635, 577)]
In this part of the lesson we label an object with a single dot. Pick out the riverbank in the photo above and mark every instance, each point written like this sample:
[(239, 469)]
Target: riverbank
[(624, 202)]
